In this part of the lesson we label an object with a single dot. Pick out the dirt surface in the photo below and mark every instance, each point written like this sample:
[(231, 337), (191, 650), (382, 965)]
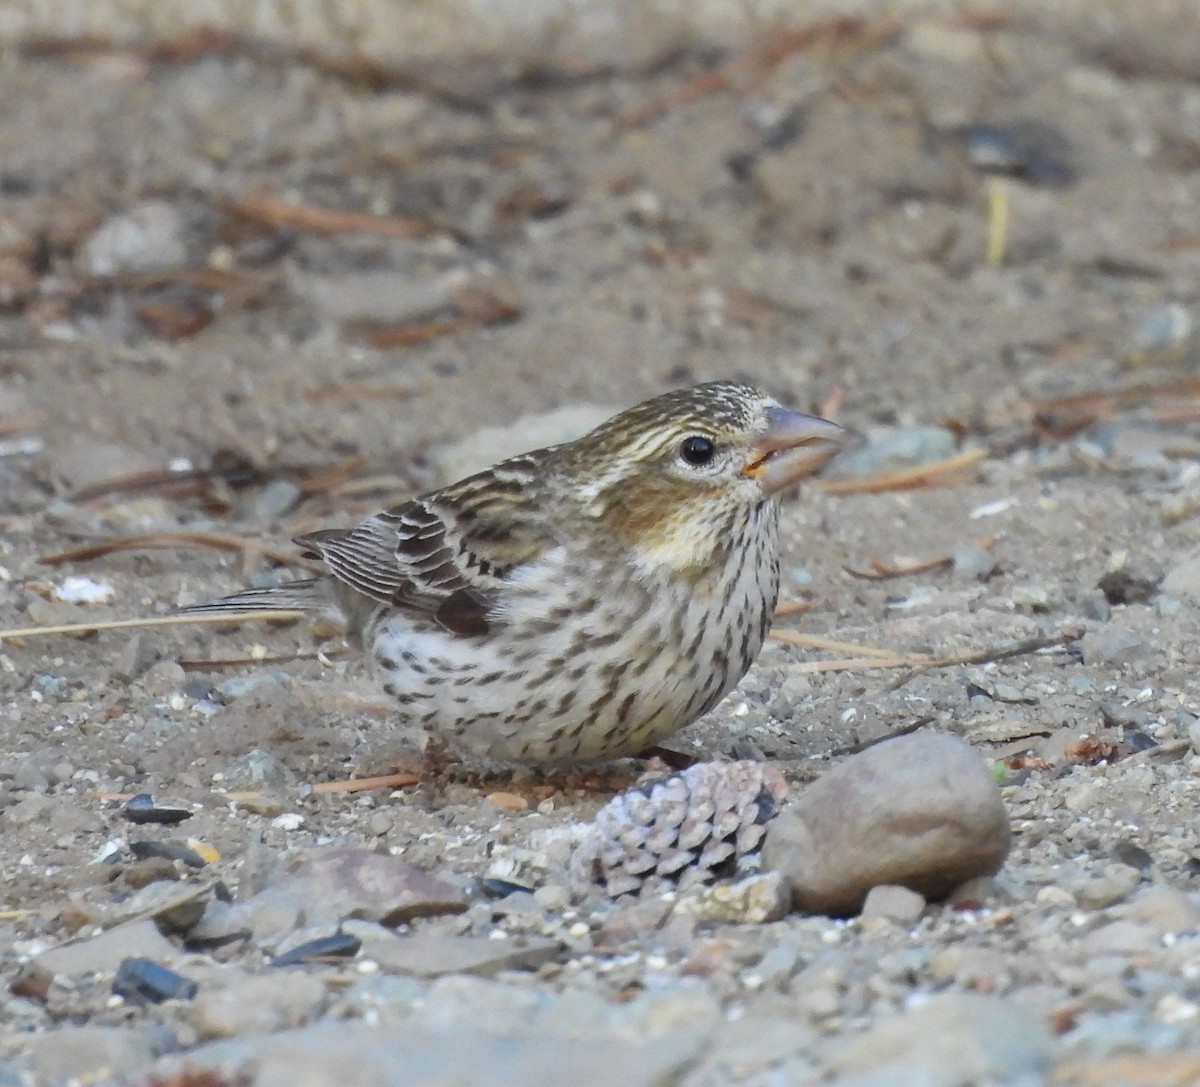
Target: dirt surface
[(814, 218)]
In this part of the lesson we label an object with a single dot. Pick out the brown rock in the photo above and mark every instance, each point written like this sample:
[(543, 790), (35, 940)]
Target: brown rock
[(920, 811)]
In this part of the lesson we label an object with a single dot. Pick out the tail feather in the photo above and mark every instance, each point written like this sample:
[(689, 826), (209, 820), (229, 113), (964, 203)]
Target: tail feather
[(308, 595)]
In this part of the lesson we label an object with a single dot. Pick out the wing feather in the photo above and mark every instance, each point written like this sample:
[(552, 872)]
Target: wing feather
[(445, 555)]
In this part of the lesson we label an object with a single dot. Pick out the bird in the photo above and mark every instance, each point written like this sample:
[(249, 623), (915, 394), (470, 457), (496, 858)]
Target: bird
[(582, 602)]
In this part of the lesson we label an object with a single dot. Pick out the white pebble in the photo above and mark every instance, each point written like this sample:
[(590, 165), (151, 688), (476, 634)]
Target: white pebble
[(84, 590), (289, 820)]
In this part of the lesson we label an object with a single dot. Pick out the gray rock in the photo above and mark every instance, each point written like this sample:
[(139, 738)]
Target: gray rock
[(420, 1053), (330, 886), (274, 500), (176, 907), (257, 1005), (1165, 908), (1184, 580), (1097, 890), (973, 563), (105, 952), (146, 238), (1122, 938), (894, 903), (951, 1040), (891, 450), (1113, 645), (432, 956), (30, 811), (255, 770), (89, 1055), (920, 811), (753, 900), (382, 297), (488, 445)]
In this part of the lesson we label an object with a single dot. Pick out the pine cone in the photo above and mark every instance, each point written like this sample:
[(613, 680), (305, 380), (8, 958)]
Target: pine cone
[(694, 827)]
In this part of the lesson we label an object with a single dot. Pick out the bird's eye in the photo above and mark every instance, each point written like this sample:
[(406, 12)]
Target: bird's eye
[(696, 449)]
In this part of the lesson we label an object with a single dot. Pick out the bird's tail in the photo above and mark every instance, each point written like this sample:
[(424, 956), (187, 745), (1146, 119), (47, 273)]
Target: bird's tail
[(307, 595)]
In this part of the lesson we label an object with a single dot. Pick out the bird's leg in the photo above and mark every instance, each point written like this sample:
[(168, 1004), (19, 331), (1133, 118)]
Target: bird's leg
[(435, 760), (665, 756)]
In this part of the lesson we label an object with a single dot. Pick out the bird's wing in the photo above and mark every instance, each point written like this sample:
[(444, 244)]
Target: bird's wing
[(445, 555)]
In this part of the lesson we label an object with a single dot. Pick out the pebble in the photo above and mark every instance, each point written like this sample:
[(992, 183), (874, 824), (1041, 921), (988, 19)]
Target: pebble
[(255, 770), (253, 1005), (1184, 580), (1097, 891), (147, 238), (950, 1040), (435, 955), (891, 450), (382, 297), (753, 900), (336, 884), (104, 953), (920, 811), (1113, 645), (973, 563), (894, 903), (1165, 908)]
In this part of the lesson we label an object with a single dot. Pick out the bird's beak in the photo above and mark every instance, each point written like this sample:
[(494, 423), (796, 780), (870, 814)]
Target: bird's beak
[(794, 446)]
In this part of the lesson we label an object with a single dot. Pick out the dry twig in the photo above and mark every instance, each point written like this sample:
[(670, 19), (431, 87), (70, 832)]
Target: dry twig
[(942, 473), (99, 625), (157, 541)]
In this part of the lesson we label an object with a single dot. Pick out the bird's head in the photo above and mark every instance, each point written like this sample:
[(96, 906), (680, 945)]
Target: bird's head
[(668, 477)]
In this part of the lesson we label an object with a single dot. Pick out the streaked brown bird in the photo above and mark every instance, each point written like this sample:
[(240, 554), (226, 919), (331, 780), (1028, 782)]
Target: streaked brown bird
[(581, 602)]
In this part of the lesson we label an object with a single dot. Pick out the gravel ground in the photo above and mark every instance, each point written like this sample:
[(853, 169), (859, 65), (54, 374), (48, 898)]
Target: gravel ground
[(184, 351)]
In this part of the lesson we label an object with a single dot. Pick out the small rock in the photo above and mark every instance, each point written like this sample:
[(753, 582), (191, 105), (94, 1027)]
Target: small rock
[(144, 981), (31, 810), (953, 1038), (753, 900), (256, 770), (1164, 908), (1184, 580), (328, 887), (890, 450), (1113, 645), (89, 1054), (974, 894), (969, 966), (136, 656), (147, 238), (273, 501), (106, 952), (84, 590), (382, 298), (380, 823), (1029, 149), (894, 903), (920, 811), (1122, 938), (257, 1005), (973, 563), (432, 956), (1097, 891), (175, 906)]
